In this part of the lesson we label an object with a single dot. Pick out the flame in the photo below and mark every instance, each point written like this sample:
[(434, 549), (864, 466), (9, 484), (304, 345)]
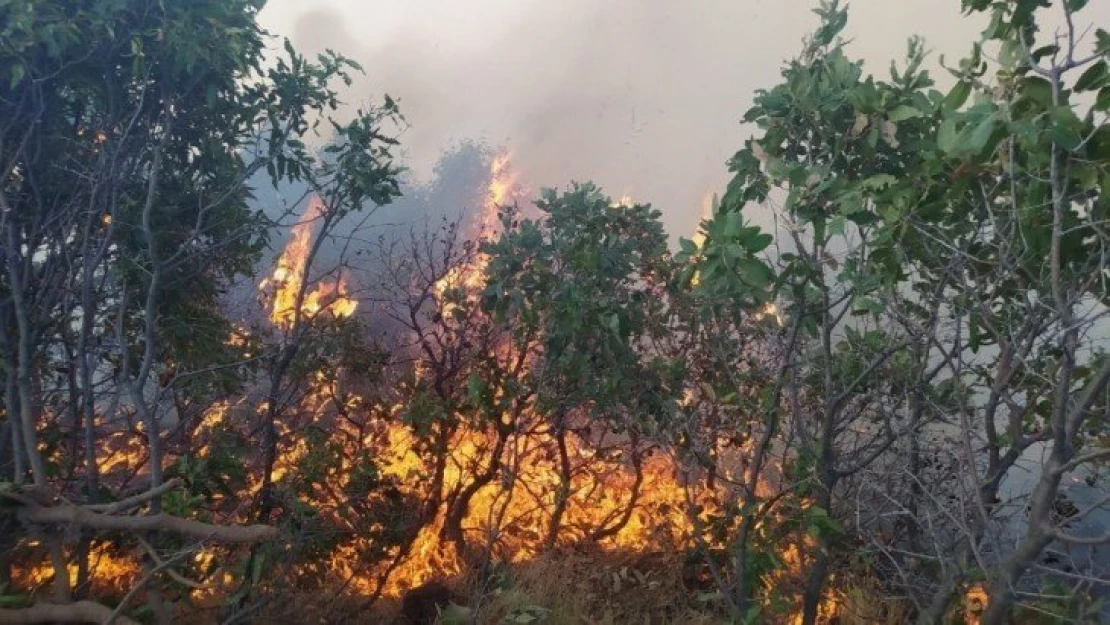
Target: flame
[(503, 185), (509, 516), (503, 189), (288, 278), (975, 602), (707, 206), (770, 311), (110, 571)]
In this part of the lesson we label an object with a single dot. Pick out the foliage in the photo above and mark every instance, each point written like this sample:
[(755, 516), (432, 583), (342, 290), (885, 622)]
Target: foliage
[(587, 279), (842, 408)]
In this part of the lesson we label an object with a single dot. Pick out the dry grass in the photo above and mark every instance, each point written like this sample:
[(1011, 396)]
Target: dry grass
[(596, 588), (865, 602)]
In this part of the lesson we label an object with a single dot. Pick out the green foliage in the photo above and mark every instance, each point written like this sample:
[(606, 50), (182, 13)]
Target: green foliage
[(587, 280), (915, 210), (170, 107)]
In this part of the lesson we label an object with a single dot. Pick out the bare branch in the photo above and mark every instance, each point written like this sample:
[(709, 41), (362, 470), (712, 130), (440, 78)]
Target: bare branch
[(135, 501), (80, 612), (70, 514)]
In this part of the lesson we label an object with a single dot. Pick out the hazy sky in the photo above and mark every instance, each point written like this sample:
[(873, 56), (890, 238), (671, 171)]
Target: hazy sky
[(642, 96)]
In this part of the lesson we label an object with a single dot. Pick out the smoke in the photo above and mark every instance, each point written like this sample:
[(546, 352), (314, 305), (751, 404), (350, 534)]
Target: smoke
[(642, 97), (453, 194)]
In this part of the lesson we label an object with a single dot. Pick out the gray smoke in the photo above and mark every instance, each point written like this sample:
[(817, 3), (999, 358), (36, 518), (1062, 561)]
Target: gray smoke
[(642, 96)]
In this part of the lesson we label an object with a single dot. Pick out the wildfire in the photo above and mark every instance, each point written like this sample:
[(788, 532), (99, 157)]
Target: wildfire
[(288, 279), (503, 188), (975, 602), (111, 572), (510, 515), (708, 207), (620, 495)]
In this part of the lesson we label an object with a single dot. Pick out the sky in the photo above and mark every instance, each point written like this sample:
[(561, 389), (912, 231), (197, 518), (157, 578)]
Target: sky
[(643, 97)]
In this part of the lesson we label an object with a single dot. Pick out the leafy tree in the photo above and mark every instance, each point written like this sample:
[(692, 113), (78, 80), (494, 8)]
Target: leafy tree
[(587, 280), (130, 131), (917, 226)]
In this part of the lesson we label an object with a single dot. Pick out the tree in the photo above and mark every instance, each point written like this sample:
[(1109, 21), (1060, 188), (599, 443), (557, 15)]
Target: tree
[(586, 281), (130, 133), (916, 231)]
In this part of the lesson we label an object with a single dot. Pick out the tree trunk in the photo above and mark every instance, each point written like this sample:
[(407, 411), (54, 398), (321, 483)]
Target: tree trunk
[(452, 524), (11, 407), (613, 529), (562, 496), (815, 581)]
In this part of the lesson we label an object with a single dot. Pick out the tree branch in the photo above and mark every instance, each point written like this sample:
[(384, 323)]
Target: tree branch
[(70, 514), (135, 501), (80, 612), (1101, 539)]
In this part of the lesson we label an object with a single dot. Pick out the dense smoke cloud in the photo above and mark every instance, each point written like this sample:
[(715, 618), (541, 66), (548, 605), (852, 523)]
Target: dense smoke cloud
[(643, 97)]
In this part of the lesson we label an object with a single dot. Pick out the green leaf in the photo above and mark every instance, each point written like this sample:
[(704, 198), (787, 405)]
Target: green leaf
[(1064, 137), (1102, 102), (754, 272), (1102, 42), (18, 72), (979, 137), (972, 139), (1094, 78), (947, 135), (759, 243), (1038, 90), (734, 224), (904, 112), (957, 96), (879, 182), (1066, 128), (257, 566)]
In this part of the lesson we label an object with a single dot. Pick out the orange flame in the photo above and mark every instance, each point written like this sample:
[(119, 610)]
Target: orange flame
[(288, 278), (510, 514), (502, 189)]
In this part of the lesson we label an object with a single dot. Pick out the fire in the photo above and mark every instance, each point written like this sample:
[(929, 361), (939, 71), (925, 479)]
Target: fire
[(770, 311), (623, 495), (509, 516), (503, 188), (975, 602), (708, 206), (111, 572), (288, 279)]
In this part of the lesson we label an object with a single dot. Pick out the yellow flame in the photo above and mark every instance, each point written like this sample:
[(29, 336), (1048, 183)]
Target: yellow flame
[(512, 512), (706, 213), (502, 189), (289, 276), (770, 311), (975, 602)]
